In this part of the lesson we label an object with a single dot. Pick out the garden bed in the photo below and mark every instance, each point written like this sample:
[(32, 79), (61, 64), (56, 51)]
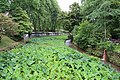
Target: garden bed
[(47, 58)]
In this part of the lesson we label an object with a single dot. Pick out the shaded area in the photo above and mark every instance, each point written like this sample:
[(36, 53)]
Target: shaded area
[(6, 41)]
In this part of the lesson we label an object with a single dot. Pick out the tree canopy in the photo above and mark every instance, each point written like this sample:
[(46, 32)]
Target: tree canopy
[(100, 22), (105, 14), (7, 26), (42, 13), (72, 18)]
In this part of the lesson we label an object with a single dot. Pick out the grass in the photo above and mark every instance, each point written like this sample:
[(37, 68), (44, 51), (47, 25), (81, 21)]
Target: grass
[(6, 41)]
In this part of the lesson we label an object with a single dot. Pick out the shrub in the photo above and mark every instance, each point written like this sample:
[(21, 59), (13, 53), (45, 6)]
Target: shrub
[(108, 45), (20, 16), (85, 36), (7, 26)]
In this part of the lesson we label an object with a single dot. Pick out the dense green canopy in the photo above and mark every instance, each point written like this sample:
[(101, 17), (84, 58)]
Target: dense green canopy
[(7, 26), (100, 22), (43, 13), (105, 14)]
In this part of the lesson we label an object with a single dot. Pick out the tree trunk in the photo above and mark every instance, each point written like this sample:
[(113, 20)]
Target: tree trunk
[(0, 39), (105, 33)]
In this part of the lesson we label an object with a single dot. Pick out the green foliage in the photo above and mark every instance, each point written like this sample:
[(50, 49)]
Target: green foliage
[(64, 21), (85, 35), (6, 41), (74, 14), (67, 25), (7, 26), (4, 6), (72, 18), (117, 47), (105, 14), (42, 13), (49, 59), (20, 16), (114, 58), (109, 46), (103, 22)]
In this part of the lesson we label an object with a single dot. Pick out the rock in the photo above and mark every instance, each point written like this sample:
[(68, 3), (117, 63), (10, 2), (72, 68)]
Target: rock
[(68, 42), (26, 38)]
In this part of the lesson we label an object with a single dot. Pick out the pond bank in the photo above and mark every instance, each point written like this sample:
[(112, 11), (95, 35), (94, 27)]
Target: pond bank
[(72, 45)]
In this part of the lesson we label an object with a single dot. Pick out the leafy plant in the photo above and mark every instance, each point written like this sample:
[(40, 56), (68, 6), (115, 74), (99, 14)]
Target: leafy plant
[(21, 17), (48, 58), (85, 36), (7, 26), (109, 46), (105, 14)]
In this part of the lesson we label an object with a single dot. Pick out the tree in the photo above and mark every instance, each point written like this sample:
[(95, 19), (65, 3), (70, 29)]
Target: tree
[(71, 19), (60, 20), (103, 22), (74, 14), (20, 16), (42, 13), (104, 14), (4, 6), (7, 26)]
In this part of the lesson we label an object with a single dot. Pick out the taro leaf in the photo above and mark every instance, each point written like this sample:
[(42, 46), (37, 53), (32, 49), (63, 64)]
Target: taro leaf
[(76, 77), (85, 75), (98, 77), (35, 73), (30, 62), (17, 66), (19, 78), (61, 56), (26, 70), (17, 72), (2, 66), (105, 78), (116, 76), (3, 74), (10, 70), (44, 69), (62, 74)]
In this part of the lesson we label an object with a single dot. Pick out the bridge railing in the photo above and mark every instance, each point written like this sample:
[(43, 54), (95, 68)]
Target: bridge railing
[(38, 34)]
